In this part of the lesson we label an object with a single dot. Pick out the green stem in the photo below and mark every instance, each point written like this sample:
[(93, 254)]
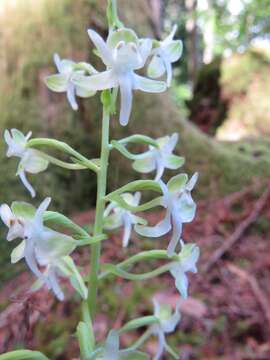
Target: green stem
[(100, 204)]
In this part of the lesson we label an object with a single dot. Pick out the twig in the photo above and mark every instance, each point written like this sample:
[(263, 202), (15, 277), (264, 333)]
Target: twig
[(259, 294), (237, 234)]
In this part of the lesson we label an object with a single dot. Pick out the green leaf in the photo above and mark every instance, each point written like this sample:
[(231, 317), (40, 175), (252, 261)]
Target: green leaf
[(23, 355), (86, 339), (68, 267), (23, 210)]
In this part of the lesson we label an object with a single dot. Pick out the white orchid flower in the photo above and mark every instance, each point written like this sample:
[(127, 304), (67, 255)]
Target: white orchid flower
[(159, 158), (111, 350), (167, 324), (180, 209), (63, 81), (122, 53), (41, 247), (116, 216), (168, 52), (188, 258), (31, 161)]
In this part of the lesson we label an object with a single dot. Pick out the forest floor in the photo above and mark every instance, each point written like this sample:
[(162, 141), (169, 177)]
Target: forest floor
[(226, 317)]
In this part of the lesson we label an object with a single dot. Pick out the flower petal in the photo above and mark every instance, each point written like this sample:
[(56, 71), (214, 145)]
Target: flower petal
[(83, 93), (102, 47), (145, 48), (156, 67), (176, 236), (174, 51), (6, 214), (145, 165), (54, 284), (18, 253), (26, 183), (126, 100), (127, 230), (33, 163), (38, 220), (160, 169), (148, 85), (181, 281), (174, 162), (162, 228), (102, 81), (177, 183), (71, 96), (57, 62), (186, 207), (57, 82), (112, 346), (192, 182)]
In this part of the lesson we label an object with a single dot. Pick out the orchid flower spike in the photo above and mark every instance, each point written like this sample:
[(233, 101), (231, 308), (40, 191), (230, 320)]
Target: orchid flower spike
[(31, 160), (122, 53), (188, 258), (168, 52), (64, 81), (41, 247), (159, 158), (180, 209), (116, 216), (167, 324)]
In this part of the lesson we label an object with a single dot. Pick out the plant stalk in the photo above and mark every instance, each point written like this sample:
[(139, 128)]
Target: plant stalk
[(100, 204)]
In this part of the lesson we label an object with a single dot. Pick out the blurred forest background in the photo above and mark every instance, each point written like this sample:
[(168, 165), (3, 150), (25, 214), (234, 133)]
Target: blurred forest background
[(219, 104)]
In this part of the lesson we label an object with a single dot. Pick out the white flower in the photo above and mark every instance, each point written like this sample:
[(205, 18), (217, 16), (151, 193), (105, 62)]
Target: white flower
[(116, 216), (188, 258), (111, 350), (159, 158), (180, 209), (168, 52), (31, 161), (63, 82), (41, 246), (122, 53), (167, 324)]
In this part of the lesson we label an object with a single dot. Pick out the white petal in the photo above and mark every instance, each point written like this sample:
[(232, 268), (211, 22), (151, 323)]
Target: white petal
[(71, 96), (136, 198), (127, 230), (52, 278), (7, 137), (33, 163), (189, 263), (57, 82), (169, 325), (162, 228), (57, 61), (102, 81), (156, 67), (181, 281), (186, 207), (18, 253), (112, 346), (41, 209), (160, 169), (126, 100), (145, 165), (168, 67), (148, 85), (31, 261), (26, 183), (192, 182), (83, 93), (161, 345), (16, 230), (170, 37), (145, 49), (6, 214), (174, 51), (173, 162), (102, 47), (176, 236)]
